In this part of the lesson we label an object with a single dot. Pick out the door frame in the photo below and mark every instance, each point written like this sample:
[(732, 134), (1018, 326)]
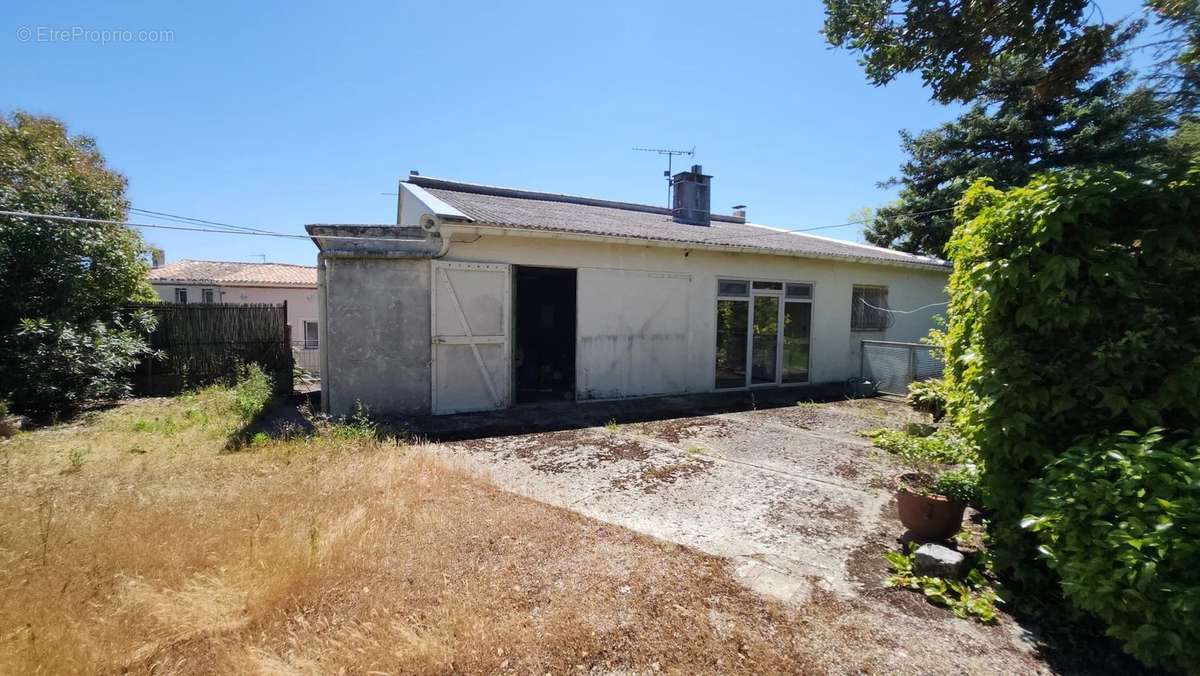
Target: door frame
[(781, 294), (502, 393), (512, 332)]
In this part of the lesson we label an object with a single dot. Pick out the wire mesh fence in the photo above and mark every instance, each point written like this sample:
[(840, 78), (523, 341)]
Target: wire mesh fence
[(199, 344), (306, 355), (892, 366)]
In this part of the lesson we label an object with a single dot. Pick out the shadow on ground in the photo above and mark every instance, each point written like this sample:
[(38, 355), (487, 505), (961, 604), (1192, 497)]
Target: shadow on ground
[(570, 415)]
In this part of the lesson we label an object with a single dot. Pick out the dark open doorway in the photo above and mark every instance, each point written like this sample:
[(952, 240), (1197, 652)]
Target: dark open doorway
[(544, 358)]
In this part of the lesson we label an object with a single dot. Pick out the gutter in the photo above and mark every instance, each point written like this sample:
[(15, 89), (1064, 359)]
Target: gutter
[(482, 229)]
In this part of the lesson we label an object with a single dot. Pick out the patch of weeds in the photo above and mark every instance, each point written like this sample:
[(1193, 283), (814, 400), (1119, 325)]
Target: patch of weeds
[(164, 426), (612, 427), (943, 447), (695, 450), (76, 458), (357, 426), (252, 392), (808, 405), (260, 439), (974, 596)]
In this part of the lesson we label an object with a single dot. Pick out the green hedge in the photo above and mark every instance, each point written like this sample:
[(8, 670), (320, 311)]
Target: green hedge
[(1074, 315), (1119, 517)]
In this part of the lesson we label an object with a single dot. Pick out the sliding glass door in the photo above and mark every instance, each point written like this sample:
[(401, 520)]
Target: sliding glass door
[(763, 330)]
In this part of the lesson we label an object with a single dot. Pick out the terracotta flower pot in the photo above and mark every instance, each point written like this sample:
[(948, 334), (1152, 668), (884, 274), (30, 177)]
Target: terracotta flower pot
[(928, 517)]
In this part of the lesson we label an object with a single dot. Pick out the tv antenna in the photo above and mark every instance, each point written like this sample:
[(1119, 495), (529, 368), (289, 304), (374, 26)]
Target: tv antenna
[(670, 158), (262, 257)]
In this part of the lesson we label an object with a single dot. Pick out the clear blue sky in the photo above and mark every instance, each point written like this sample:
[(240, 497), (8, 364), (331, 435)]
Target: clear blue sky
[(278, 114)]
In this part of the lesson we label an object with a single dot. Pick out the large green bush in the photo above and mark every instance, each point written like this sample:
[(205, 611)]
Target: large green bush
[(1073, 315), (63, 365), (68, 276), (1119, 517)]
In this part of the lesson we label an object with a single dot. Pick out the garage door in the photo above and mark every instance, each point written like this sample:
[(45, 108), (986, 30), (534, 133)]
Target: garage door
[(470, 320), (633, 333)]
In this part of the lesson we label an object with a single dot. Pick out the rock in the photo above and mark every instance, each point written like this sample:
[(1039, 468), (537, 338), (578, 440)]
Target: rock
[(937, 561)]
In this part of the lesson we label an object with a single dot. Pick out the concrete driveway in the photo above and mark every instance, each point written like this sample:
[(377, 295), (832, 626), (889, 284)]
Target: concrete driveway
[(791, 492)]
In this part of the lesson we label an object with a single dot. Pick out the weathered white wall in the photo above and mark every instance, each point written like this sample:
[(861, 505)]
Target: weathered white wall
[(633, 336), (302, 302), (630, 340)]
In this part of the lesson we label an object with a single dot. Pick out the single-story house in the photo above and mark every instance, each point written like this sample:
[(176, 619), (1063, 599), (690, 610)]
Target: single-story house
[(483, 297), (192, 281)]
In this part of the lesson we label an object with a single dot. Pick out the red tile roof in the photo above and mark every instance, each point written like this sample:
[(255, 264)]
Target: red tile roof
[(228, 273)]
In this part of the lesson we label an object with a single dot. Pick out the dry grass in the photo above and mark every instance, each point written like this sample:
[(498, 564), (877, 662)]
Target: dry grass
[(163, 554), (132, 541)]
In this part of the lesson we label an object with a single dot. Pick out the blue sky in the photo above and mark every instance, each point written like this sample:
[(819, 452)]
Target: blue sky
[(277, 114)]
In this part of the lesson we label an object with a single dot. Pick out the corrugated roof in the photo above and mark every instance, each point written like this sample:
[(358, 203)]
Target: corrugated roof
[(552, 212), (230, 273)]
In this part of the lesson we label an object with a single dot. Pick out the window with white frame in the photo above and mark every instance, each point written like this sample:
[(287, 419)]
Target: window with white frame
[(181, 296), (763, 332), (868, 310), (206, 296), (311, 339)]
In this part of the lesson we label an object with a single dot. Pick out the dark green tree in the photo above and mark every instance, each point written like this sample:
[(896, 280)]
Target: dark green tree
[(59, 279), (1043, 86), (1016, 134)]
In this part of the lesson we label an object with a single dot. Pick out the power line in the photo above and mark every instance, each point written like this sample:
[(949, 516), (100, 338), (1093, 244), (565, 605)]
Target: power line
[(197, 221), (828, 227), (231, 229), (160, 226)]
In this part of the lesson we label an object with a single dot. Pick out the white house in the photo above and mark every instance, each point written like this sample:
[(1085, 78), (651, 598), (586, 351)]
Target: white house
[(483, 297), (192, 281)]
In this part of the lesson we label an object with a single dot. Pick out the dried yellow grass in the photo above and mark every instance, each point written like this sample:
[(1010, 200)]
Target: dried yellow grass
[(165, 554)]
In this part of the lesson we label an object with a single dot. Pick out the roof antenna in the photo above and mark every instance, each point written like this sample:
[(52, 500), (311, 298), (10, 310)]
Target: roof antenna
[(670, 156), (262, 256)]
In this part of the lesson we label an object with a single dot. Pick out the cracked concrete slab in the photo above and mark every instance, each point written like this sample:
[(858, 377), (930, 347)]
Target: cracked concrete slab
[(788, 493)]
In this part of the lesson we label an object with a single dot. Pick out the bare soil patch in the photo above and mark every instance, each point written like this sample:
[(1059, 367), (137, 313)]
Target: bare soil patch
[(680, 429)]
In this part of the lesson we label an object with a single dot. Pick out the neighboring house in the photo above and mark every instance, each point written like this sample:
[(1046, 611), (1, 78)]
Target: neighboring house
[(188, 281), (483, 297)]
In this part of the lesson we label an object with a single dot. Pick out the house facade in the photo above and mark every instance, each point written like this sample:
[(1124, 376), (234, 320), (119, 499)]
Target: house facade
[(483, 297), (193, 281)]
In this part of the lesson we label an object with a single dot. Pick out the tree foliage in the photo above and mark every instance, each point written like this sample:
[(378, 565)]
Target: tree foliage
[(1098, 123), (1118, 517), (68, 275), (957, 45), (63, 365), (1045, 87), (1070, 316)]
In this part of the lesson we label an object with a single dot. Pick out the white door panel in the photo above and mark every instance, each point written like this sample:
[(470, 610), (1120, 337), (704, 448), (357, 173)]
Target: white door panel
[(633, 333), (470, 320)]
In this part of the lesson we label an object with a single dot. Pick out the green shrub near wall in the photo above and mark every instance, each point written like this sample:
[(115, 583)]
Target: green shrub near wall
[(1074, 315)]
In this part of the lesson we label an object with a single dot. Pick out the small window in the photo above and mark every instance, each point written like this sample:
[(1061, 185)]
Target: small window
[(181, 296), (206, 296), (799, 291), (868, 311), (733, 287), (769, 286), (311, 336)]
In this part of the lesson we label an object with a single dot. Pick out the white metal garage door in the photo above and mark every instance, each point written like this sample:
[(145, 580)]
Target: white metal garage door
[(470, 320), (633, 333)]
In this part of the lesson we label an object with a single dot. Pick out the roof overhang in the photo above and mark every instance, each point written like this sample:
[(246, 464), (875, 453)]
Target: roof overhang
[(434, 204), (481, 228)]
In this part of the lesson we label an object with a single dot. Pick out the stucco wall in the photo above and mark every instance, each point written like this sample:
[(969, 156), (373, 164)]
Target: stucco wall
[(302, 303), (376, 337), (834, 348)]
